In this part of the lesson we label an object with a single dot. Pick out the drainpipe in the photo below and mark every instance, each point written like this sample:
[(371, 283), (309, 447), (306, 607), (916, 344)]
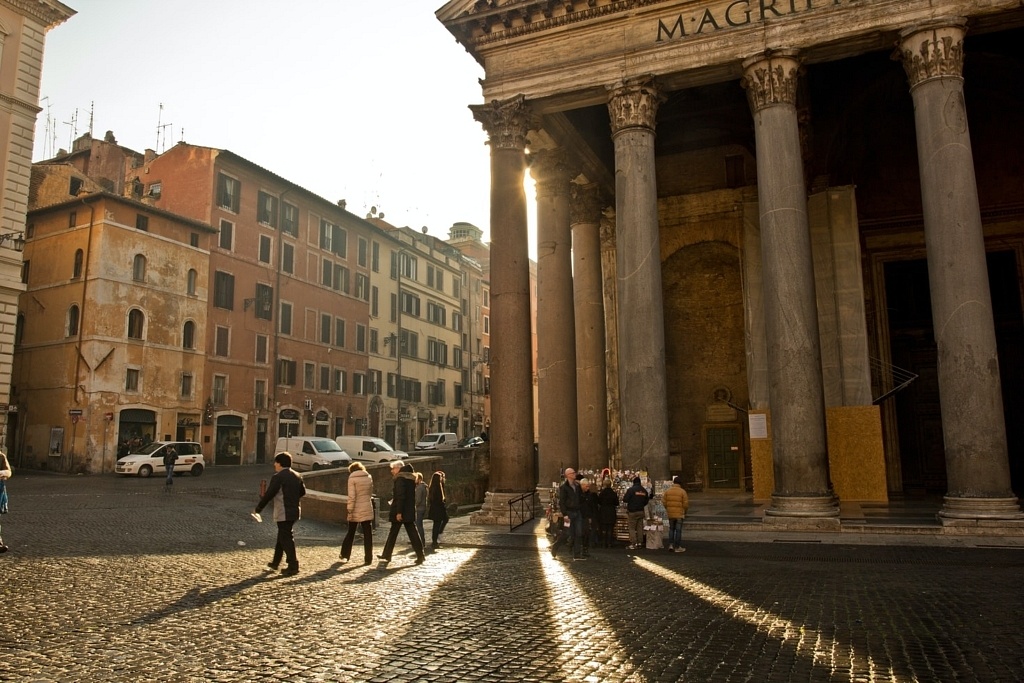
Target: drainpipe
[(81, 326)]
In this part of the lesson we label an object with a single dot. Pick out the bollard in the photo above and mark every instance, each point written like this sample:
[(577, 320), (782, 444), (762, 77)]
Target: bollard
[(263, 487)]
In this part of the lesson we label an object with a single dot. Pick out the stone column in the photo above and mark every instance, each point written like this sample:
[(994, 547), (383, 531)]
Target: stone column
[(611, 337), (633, 107), (803, 493), (511, 435), (591, 386), (977, 465), (556, 331)]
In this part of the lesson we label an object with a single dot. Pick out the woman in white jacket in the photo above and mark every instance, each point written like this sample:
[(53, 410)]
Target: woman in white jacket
[(360, 511)]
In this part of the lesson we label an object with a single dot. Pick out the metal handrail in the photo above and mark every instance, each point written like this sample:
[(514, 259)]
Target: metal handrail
[(517, 510)]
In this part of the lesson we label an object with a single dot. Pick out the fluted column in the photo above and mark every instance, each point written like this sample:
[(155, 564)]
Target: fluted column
[(591, 387), (803, 493), (633, 108), (970, 395), (511, 436), (553, 171)]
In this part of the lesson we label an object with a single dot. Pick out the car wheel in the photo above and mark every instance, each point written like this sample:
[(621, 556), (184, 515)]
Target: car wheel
[(316, 466), (145, 471), (197, 470)]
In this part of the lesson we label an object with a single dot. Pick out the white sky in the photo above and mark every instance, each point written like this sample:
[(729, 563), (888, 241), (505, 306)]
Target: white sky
[(362, 100)]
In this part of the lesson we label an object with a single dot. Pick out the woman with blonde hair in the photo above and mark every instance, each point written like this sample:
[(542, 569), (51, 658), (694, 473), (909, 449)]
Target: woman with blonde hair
[(360, 511)]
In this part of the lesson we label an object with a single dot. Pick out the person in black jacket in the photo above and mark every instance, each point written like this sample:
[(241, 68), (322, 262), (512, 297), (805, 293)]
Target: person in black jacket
[(569, 505), (285, 489), (403, 511), (636, 499), (588, 514), (437, 507), (607, 514)]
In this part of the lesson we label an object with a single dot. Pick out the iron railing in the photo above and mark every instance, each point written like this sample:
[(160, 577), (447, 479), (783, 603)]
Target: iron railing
[(519, 512)]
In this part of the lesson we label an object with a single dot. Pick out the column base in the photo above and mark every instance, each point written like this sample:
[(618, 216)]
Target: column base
[(803, 513), (494, 511), (960, 511)]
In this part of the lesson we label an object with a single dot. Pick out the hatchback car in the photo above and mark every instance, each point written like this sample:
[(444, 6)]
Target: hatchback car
[(471, 442), (150, 459)]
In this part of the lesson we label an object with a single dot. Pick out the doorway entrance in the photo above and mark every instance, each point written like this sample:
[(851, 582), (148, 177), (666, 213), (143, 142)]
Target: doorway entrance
[(724, 457)]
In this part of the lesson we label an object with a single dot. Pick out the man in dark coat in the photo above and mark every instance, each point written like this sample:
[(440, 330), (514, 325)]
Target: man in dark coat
[(569, 505), (285, 489), (403, 511), (588, 514), (636, 500)]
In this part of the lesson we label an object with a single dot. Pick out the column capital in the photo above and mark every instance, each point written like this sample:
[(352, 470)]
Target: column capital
[(553, 170), (506, 122), (933, 50), (771, 78), (634, 104), (585, 204)]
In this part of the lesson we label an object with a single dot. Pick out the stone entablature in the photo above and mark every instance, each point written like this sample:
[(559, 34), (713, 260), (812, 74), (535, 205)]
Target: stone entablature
[(576, 55)]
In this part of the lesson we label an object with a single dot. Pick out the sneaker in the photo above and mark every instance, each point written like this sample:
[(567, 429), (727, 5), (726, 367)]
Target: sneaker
[(343, 560), (631, 546), (272, 566), (3, 549), (680, 549), (671, 548), (384, 559)]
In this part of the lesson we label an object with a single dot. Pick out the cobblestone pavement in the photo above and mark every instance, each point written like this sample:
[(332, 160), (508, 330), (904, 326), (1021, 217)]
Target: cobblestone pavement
[(112, 579)]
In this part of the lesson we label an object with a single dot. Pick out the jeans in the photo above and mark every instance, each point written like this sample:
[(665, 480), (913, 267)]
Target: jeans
[(675, 532), (170, 476), (575, 533), (286, 544), (346, 545)]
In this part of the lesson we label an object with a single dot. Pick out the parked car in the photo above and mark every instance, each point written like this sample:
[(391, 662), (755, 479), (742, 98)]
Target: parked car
[(471, 442), (150, 459), (369, 449), (313, 452), (437, 441)]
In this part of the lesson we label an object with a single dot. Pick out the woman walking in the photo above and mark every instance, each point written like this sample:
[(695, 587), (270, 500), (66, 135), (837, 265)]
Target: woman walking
[(360, 511), (437, 510)]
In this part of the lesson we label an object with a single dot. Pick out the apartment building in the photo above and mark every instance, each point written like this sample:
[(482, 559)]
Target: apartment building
[(288, 329), (109, 350), (23, 28)]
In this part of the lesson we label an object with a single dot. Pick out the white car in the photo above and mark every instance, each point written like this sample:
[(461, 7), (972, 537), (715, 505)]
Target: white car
[(150, 459)]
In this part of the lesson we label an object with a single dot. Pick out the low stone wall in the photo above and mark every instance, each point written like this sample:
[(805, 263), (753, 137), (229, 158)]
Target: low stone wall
[(466, 478)]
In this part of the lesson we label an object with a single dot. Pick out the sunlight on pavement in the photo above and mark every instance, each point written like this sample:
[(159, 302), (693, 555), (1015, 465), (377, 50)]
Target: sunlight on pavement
[(826, 651), (583, 636)]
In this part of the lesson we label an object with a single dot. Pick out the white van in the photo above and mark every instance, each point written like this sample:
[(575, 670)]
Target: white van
[(313, 452), (369, 448), (437, 441)]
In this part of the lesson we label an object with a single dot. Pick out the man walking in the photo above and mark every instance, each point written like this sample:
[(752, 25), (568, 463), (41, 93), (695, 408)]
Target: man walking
[(403, 512), (285, 489), (569, 505)]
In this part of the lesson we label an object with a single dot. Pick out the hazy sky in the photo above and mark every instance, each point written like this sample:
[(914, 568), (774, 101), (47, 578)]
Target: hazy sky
[(361, 100)]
